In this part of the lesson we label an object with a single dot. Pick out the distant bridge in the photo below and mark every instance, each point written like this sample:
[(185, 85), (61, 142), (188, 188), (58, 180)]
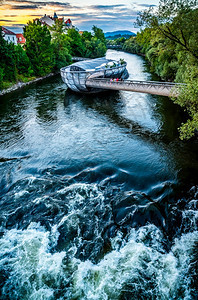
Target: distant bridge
[(119, 47), (149, 87)]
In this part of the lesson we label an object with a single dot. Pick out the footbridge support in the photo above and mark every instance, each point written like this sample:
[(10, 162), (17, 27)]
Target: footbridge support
[(150, 87)]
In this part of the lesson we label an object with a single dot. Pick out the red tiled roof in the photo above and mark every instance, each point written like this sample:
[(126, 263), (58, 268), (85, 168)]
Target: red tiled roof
[(20, 38), (68, 21), (7, 31)]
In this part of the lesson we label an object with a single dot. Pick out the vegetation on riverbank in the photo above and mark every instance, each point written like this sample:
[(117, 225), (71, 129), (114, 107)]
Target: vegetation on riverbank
[(46, 51), (169, 41)]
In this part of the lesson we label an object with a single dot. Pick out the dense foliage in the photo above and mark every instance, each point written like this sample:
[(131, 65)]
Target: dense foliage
[(38, 48), (169, 41), (116, 43), (61, 44), (13, 62), (95, 44), (7, 60), (47, 50)]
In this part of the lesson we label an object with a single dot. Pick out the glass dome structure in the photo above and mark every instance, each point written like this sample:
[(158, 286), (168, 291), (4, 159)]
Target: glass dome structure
[(75, 75)]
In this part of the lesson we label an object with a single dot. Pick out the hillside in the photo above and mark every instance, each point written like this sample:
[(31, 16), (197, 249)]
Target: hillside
[(119, 33)]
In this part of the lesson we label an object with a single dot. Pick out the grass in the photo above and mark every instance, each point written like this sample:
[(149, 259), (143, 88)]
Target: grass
[(21, 78), (6, 84), (25, 79)]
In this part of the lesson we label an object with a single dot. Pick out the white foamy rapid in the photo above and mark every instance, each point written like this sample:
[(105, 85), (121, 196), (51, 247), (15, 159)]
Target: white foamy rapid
[(137, 267)]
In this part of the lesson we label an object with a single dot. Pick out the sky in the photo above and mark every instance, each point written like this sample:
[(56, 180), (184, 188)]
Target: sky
[(109, 15)]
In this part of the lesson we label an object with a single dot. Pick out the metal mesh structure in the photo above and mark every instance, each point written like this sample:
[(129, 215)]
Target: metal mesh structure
[(76, 75)]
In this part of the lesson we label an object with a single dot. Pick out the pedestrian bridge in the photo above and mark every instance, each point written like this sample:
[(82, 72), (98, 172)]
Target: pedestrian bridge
[(150, 87), (98, 81)]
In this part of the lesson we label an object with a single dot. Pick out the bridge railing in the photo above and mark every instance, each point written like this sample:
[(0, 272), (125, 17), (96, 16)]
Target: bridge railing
[(139, 82), (169, 89)]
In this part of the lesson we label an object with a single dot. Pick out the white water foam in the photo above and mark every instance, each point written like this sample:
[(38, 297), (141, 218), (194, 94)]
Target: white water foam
[(138, 265), (26, 258)]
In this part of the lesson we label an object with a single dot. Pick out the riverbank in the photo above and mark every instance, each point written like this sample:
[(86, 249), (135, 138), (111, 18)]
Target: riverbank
[(21, 84), (120, 48)]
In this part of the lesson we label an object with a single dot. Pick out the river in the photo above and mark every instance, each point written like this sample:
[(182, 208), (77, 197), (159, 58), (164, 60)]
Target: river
[(98, 196)]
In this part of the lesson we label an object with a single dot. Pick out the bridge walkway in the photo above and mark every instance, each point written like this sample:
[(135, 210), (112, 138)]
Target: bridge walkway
[(150, 87)]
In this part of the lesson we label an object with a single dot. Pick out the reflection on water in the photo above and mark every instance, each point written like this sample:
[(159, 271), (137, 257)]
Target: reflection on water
[(94, 195)]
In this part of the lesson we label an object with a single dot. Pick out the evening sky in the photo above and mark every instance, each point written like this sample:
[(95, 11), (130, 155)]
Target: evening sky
[(109, 15)]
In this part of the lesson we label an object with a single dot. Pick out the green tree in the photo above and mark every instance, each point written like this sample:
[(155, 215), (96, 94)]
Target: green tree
[(120, 41), (132, 46), (95, 46), (1, 78), (7, 60), (188, 99), (172, 50), (38, 48), (98, 33), (86, 36), (175, 20), (61, 45), (76, 44), (22, 61), (57, 28)]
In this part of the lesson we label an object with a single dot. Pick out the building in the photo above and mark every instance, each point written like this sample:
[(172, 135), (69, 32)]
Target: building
[(9, 36), (47, 20), (20, 38), (50, 21), (68, 23)]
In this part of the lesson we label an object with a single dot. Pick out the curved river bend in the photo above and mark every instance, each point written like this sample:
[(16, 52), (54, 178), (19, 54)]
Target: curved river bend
[(98, 195)]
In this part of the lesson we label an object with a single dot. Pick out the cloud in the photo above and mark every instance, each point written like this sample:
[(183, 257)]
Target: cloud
[(106, 25), (117, 17), (6, 21), (37, 4), (25, 6), (94, 16), (147, 5), (102, 7)]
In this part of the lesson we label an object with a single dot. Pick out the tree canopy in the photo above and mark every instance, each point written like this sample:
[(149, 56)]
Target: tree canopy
[(169, 40), (38, 47), (7, 60), (175, 20), (47, 50)]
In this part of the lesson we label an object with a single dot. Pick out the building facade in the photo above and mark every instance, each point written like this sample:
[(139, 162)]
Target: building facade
[(9, 36), (20, 38), (50, 21)]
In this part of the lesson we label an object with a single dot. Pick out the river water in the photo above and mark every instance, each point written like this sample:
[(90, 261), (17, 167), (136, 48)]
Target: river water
[(98, 195)]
